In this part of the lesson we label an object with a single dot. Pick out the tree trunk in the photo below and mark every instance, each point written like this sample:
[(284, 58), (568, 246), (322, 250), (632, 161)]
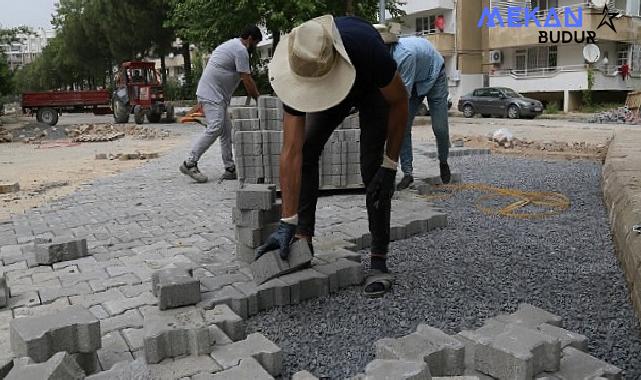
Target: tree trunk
[(275, 39), (163, 69), (187, 65), (349, 8)]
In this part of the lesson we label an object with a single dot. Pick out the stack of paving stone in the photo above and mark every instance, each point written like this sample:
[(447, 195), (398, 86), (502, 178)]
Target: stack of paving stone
[(255, 217), (528, 344), (258, 143)]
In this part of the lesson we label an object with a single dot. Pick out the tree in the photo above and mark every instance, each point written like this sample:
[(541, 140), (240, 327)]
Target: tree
[(5, 76), (210, 22)]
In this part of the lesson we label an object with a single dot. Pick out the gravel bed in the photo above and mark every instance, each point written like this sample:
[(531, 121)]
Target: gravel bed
[(478, 267)]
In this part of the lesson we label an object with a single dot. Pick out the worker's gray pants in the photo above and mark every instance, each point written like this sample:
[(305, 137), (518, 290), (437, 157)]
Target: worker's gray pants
[(218, 124)]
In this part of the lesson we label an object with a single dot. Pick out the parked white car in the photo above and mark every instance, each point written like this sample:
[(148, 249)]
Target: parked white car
[(424, 109)]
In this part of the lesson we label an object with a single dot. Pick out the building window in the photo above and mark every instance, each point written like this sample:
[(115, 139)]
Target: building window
[(536, 58), (544, 4), (622, 53), (425, 25)]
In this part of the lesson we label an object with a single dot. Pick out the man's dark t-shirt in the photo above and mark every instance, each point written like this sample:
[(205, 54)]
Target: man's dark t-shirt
[(375, 67)]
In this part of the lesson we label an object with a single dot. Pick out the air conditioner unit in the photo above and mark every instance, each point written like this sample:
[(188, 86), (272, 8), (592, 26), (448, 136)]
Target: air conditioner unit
[(495, 56)]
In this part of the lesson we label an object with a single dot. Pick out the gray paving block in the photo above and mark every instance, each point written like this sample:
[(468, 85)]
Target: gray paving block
[(249, 368), (4, 291), (174, 333), (397, 369), (268, 101), (270, 265), (51, 294), (134, 370), (255, 346), (175, 287), (119, 306), (335, 253), (250, 237), (60, 366), (256, 218), (228, 321), (114, 350), (306, 284), (73, 329), (445, 355), (511, 351), (244, 253), (131, 319), (250, 289), (246, 124), (243, 112), (88, 362), (579, 365), (280, 291), (57, 251), (304, 375), (530, 316), (566, 337), (218, 281), (456, 178), (184, 368), (256, 197), (229, 296)]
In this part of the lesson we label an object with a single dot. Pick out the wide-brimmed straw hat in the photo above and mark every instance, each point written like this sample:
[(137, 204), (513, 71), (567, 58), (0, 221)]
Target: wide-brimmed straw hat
[(310, 70), (386, 34)]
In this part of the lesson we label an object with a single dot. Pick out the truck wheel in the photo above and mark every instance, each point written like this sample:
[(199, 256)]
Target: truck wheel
[(154, 117), (139, 115), (170, 113), (48, 116), (121, 112)]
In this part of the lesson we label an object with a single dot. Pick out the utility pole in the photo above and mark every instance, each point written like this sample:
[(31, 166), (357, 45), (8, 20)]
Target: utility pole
[(381, 11)]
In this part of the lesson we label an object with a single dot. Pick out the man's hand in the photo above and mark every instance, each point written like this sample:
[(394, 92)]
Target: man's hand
[(250, 85), (381, 188), (281, 239)]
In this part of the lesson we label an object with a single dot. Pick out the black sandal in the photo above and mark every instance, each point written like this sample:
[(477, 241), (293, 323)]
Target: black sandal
[(377, 283)]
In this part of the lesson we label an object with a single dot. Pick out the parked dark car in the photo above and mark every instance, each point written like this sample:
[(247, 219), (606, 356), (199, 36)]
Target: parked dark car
[(499, 101)]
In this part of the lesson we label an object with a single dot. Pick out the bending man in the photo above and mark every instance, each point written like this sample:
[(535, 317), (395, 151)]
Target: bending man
[(422, 69), (320, 71)]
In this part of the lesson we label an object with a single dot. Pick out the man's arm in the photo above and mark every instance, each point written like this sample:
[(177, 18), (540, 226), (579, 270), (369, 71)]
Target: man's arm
[(291, 162), (396, 96), (250, 85)]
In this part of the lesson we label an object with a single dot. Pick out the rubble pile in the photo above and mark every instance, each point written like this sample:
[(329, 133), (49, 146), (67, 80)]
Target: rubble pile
[(5, 136), (107, 132)]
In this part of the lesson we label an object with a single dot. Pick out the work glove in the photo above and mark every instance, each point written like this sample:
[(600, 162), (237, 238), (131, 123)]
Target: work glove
[(381, 188), (281, 239)]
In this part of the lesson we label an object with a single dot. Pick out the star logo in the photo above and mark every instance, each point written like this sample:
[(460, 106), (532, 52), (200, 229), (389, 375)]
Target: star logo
[(608, 18)]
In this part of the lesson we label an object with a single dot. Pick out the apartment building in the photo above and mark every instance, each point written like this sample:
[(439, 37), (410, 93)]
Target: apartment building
[(26, 47), (558, 72), (450, 25)]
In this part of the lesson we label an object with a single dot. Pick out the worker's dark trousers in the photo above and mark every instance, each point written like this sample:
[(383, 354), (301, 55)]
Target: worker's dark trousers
[(319, 127)]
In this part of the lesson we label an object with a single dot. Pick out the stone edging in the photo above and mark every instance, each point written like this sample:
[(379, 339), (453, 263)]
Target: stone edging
[(621, 186)]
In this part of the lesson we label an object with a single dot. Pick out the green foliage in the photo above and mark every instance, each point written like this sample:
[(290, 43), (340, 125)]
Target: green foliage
[(173, 90), (207, 23), (587, 94), (6, 84), (552, 107)]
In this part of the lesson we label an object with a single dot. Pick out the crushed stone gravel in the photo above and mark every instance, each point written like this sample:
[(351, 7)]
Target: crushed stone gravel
[(478, 267)]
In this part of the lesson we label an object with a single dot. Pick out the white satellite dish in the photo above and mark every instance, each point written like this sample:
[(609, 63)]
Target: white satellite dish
[(599, 4), (591, 53)]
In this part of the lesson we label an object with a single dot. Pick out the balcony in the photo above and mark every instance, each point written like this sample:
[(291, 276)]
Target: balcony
[(560, 78), (628, 28), (443, 42), (415, 6)]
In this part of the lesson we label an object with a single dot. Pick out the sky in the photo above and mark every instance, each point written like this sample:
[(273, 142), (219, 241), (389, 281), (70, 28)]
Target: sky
[(33, 13)]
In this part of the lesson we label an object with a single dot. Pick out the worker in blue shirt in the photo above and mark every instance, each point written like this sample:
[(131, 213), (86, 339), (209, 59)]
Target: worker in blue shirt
[(422, 70)]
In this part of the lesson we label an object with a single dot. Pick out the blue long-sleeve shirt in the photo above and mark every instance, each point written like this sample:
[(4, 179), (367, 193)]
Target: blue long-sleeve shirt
[(419, 63)]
